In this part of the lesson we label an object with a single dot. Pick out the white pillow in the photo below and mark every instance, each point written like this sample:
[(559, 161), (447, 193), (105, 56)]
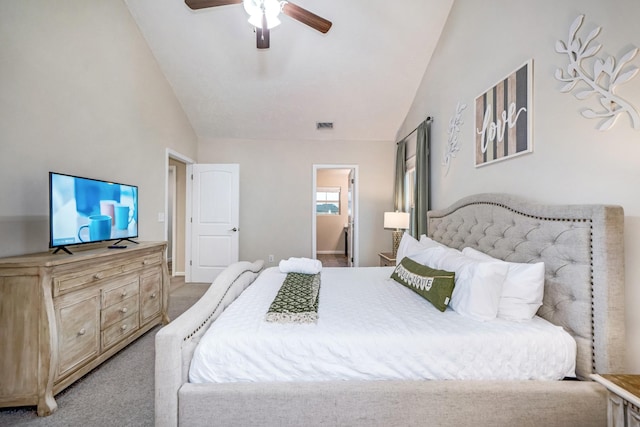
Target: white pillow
[(410, 247), (523, 288), (431, 255), (478, 284), (430, 243)]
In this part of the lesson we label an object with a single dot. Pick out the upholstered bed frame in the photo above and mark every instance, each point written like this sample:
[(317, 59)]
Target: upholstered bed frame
[(582, 248)]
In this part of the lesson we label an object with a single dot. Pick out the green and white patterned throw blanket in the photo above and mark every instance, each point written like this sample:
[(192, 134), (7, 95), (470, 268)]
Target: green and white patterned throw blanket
[(297, 300)]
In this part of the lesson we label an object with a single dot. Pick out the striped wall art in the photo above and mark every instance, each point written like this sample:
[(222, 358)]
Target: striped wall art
[(503, 118)]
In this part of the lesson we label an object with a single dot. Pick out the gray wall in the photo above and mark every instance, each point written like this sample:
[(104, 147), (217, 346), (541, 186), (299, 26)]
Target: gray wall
[(80, 93), (572, 162), (276, 185)]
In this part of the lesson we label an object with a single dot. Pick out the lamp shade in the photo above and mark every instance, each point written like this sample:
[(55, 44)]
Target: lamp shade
[(397, 220)]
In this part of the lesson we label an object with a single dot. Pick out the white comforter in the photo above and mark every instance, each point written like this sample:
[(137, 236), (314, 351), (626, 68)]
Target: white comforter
[(372, 328)]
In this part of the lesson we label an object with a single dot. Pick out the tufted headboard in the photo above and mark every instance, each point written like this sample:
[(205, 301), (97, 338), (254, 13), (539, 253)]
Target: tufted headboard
[(583, 252)]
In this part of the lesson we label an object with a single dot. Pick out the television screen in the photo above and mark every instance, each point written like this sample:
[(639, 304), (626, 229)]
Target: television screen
[(84, 210)]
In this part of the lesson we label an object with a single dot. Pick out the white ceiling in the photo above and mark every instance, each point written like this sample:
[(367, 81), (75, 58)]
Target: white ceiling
[(362, 75)]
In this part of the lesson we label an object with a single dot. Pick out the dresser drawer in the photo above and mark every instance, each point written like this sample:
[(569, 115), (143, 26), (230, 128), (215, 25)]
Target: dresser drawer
[(116, 312), (150, 295), (111, 296), (144, 261), (119, 330), (64, 282), (78, 332)]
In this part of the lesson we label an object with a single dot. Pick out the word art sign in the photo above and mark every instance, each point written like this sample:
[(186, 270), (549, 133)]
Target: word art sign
[(503, 118)]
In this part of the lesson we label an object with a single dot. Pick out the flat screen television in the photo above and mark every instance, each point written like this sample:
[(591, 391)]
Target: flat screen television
[(85, 210)]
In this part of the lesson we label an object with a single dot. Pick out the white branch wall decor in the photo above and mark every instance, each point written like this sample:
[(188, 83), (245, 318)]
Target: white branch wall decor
[(601, 81), (452, 142)]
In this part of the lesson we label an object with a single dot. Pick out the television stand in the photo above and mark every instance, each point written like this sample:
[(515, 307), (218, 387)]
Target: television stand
[(125, 240), (62, 248), (60, 318)]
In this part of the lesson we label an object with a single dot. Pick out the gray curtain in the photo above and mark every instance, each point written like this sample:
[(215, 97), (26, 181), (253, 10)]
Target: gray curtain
[(401, 169), (421, 198)]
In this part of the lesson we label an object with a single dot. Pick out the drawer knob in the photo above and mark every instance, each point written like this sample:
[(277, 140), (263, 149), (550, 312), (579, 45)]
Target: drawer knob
[(123, 310), (98, 276), (146, 262), (123, 327), (82, 331), (153, 295), (124, 294)]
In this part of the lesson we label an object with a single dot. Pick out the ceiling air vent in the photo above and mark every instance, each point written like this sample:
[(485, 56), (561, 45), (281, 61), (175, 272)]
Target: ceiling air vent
[(324, 125)]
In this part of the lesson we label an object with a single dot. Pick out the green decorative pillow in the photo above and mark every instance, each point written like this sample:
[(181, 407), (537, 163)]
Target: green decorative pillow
[(436, 286)]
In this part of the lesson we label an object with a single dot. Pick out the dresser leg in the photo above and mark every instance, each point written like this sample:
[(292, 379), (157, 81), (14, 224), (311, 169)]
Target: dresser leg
[(47, 404)]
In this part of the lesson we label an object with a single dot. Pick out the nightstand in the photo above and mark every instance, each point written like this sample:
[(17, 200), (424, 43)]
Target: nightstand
[(623, 407), (387, 259)]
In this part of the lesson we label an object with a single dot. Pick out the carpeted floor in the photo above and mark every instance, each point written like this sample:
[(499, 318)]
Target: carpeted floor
[(117, 393)]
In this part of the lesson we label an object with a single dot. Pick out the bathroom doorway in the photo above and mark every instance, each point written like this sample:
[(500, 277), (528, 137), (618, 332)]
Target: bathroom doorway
[(335, 215)]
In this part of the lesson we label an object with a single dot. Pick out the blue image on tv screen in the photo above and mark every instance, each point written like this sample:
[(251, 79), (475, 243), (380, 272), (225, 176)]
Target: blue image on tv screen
[(84, 210)]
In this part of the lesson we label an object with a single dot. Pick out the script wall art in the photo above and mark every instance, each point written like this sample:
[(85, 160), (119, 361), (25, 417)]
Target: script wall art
[(503, 118)]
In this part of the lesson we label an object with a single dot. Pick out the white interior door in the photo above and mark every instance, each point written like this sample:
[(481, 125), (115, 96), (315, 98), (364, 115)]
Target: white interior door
[(214, 219)]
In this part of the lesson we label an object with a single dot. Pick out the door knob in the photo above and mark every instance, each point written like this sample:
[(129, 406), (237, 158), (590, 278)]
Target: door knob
[(234, 229)]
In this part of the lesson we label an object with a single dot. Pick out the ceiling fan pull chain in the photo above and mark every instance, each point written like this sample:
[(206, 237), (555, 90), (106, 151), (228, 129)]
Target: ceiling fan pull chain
[(263, 33)]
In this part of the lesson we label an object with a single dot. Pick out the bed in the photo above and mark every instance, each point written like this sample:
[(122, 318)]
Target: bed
[(582, 249)]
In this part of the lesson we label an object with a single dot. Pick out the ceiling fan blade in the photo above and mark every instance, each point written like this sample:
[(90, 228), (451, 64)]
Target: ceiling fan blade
[(201, 4), (262, 34), (311, 19)]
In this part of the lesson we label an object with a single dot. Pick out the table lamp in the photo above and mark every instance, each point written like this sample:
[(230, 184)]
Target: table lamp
[(398, 221)]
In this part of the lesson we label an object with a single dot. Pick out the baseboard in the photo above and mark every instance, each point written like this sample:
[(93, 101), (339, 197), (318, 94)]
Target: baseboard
[(330, 253)]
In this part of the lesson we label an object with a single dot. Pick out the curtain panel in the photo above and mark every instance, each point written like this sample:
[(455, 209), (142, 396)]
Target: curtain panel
[(401, 170), (421, 197)]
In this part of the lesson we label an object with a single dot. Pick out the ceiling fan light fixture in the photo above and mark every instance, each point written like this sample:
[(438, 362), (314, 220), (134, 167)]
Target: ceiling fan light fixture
[(256, 9), (256, 21)]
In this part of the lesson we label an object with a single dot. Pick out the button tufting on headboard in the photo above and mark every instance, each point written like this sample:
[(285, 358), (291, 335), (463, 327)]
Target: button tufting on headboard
[(584, 284)]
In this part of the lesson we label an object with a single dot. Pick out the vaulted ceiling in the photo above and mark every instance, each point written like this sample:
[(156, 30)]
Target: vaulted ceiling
[(362, 75)]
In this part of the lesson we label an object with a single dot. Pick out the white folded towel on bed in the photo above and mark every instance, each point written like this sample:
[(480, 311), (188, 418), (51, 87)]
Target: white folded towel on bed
[(300, 265)]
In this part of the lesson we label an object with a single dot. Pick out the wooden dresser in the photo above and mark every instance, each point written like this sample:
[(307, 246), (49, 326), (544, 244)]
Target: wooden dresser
[(62, 315)]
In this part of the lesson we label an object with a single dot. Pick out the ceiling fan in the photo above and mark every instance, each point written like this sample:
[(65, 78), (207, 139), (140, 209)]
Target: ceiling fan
[(263, 15)]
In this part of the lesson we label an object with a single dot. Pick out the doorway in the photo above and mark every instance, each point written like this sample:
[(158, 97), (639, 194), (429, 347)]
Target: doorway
[(175, 211), (171, 216), (335, 214)]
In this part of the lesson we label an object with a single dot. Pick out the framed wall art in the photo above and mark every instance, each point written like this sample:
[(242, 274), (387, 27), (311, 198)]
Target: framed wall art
[(503, 118)]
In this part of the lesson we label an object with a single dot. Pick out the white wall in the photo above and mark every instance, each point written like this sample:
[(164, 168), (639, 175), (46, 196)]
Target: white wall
[(572, 162), (80, 93), (276, 192)]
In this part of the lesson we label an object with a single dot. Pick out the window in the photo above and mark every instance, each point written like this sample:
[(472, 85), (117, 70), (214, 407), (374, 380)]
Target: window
[(409, 188), (410, 177), (328, 200)]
